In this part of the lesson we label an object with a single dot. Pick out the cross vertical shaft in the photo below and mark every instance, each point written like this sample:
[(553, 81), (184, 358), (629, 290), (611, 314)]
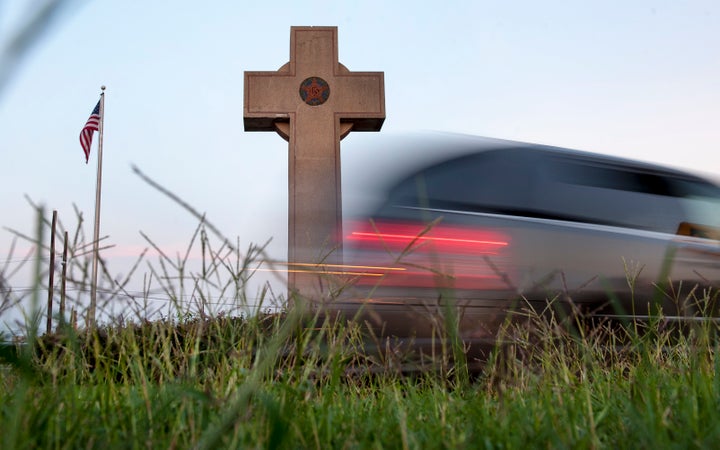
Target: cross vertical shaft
[(313, 101)]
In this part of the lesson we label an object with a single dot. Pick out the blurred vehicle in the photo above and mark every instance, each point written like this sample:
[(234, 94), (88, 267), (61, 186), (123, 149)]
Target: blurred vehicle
[(490, 226)]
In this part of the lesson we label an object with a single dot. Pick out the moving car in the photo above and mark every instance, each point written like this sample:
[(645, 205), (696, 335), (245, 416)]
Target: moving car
[(490, 227)]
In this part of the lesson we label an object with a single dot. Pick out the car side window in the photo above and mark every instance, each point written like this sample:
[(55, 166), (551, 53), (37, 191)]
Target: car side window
[(490, 181), (602, 193), (700, 199)]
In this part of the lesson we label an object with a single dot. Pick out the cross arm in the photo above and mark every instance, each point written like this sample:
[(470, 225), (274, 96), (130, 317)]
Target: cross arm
[(266, 100)]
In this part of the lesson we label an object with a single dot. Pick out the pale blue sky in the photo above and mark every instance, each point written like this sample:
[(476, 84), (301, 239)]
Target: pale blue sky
[(634, 78)]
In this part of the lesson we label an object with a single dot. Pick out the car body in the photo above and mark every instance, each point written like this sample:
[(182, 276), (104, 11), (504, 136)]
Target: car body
[(489, 227)]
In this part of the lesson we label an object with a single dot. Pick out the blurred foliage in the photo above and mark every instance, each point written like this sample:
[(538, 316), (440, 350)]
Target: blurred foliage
[(38, 18)]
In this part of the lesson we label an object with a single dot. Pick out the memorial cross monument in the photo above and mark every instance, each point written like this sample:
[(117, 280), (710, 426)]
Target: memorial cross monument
[(313, 102)]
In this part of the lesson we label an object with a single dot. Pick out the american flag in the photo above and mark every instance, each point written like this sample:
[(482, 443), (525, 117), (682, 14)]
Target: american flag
[(90, 127)]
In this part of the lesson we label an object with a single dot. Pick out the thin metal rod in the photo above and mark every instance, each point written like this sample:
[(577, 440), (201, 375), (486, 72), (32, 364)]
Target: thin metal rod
[(63, 281), (96, 234), (51, 275)]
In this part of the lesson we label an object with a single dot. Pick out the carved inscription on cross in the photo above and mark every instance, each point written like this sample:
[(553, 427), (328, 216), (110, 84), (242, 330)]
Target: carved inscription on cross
[(313, 101)]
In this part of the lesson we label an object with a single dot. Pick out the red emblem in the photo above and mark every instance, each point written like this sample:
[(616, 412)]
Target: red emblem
[(314, 91)]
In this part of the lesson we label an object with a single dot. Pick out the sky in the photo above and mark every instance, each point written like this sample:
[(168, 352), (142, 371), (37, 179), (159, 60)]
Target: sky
[(639, 79)]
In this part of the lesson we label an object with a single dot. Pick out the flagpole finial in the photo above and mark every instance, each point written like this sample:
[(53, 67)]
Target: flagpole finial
[(102, 87)]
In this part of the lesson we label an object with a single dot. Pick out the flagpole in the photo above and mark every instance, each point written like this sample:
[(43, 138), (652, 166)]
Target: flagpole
[(96, 234)]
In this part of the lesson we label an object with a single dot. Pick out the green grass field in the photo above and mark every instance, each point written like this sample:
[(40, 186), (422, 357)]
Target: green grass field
[(266, 382)]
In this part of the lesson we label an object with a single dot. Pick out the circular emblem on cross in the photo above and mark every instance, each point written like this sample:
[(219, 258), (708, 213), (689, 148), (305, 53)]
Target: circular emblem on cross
[(314, 91)]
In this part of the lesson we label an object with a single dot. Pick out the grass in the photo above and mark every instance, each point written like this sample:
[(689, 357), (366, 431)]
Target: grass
[(223, 383), (196, 378)]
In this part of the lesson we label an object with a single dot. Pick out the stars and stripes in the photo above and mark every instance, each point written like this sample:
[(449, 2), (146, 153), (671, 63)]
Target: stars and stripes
[(86, 135)]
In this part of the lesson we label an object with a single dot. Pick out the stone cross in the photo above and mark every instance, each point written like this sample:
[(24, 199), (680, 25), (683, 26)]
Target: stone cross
[(313, 102)]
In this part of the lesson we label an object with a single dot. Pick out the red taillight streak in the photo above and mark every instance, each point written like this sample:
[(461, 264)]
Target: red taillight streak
[(440, 239), (458, 252), (410, 238)]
